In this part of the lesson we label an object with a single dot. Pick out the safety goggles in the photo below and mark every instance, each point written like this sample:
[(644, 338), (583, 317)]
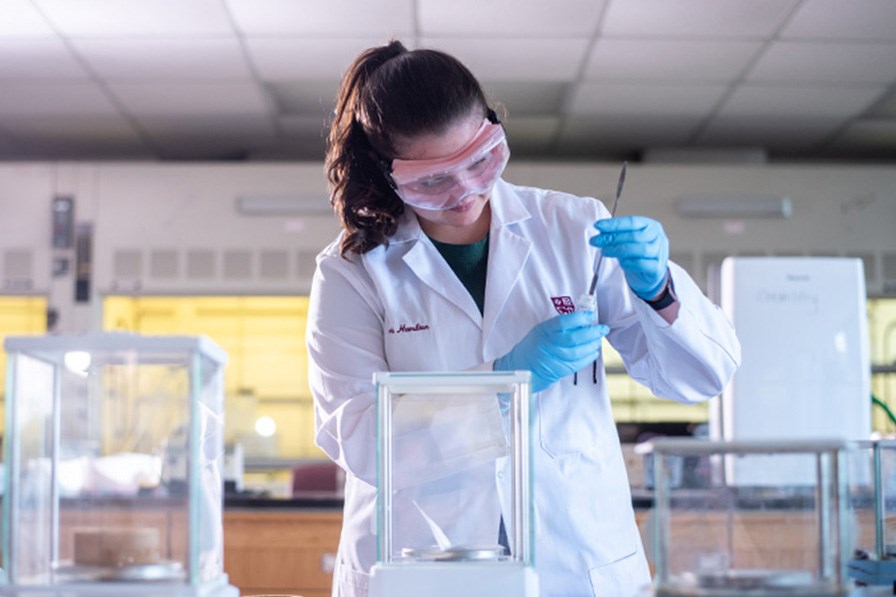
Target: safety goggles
[(442, 183)]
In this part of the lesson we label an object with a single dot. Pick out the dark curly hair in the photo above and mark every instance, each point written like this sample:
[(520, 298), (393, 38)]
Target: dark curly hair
[(388, 92)]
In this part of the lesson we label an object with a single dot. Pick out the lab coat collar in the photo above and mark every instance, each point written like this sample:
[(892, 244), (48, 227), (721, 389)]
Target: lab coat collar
[(512, 248), (507, 208)]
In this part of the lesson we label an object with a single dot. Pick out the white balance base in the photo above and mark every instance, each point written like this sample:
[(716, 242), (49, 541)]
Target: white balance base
[(450, 579)]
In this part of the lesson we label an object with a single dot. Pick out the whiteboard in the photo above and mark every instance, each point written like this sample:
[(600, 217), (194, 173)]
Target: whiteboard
[(806, 370)]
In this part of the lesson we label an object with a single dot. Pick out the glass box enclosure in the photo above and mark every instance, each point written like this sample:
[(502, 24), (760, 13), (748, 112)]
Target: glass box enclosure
[(113, 459), (873, 497), (454, 461), (722, 528)]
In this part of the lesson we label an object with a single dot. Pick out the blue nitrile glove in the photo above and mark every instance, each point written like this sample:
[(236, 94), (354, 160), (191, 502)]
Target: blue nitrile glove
[(642, 248), (555, 348)]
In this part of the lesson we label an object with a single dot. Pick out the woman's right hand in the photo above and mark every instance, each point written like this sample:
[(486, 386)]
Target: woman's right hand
[(556, 348)]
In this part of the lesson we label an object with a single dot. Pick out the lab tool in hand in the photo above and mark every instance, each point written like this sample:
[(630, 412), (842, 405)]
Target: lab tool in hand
[(556, 348), (642, 248)]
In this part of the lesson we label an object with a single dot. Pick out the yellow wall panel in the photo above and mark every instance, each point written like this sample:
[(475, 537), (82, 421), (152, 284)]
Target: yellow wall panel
[(264, 338), (19, 316), (267, 365)]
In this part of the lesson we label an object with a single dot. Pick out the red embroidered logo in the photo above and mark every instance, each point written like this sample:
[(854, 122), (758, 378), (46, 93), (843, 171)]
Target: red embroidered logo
[(563, 304), (417, 327)]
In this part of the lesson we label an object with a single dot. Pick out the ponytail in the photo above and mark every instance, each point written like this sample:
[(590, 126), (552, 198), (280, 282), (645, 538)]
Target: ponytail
[(367, 207), (388, 92)]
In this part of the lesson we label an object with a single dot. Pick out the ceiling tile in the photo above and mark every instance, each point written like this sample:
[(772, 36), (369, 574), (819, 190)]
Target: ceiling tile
[(721, 19), (111, 127), (9, 147), (516, 59), (314, 98), (384, 18), (885, 106), (302, 126), (531, 136), (835, 19), (807, 62), (127, 18), (19, 18), (208, 137), (622, 135), (645, 99), (525, 98), (94, 149), (520, 17), (74, 98), (869, 137), (294, 58), (774, 133), (806, 101), (304, 136), (250, 128), (45, 59), (669, 60), (55, 136), (191, 99), (165, 59), (193, 149)]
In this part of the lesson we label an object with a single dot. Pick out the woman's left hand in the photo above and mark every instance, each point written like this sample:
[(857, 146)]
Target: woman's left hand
[(642, 248)]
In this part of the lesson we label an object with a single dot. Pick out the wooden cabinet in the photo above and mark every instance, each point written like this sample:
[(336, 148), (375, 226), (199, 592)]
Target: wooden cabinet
[(287, 552)]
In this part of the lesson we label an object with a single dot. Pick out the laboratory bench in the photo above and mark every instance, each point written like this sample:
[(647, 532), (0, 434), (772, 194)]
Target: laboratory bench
[(288, 546), (271, 546), (281, 546)]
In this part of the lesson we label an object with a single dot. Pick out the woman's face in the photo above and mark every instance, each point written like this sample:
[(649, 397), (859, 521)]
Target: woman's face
[(467, 216)]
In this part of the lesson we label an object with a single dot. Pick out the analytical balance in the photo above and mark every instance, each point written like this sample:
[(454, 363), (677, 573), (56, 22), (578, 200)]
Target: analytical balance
[(728, 533), (454, 474), (114, 448)]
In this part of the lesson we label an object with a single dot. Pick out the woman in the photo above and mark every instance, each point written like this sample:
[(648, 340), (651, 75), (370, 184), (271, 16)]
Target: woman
[(483, 275)]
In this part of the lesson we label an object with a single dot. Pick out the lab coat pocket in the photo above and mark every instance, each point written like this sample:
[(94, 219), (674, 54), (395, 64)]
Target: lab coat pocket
[(348, 582), (625, 577), (570, 418)]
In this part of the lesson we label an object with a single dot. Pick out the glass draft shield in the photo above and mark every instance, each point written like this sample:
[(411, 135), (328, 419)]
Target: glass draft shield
[(872, 495), (114, 448), (454, 468), (720, 529), (443, 183)]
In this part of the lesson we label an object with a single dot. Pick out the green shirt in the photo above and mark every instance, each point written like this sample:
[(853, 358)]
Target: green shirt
[(470, 264)]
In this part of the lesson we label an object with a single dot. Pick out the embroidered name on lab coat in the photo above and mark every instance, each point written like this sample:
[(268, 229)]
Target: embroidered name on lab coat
[(417, 327)]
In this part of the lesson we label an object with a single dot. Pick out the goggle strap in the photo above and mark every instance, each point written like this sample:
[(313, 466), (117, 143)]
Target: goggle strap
[(386, 168)]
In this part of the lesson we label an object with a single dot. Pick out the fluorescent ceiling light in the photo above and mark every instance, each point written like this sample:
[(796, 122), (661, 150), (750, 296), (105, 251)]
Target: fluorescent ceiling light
[(316, 205), (733, 207)]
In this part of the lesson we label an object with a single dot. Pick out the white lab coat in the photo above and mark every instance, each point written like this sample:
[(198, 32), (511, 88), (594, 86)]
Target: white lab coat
[(587, 542)]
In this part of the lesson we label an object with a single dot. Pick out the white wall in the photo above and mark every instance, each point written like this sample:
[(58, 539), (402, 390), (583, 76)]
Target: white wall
[(173, 228)]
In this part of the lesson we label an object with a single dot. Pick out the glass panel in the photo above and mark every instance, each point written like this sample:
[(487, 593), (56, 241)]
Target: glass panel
[(116, 448), (454, 467), (721, 529), (28, 507), (211, 458), (266, 375)]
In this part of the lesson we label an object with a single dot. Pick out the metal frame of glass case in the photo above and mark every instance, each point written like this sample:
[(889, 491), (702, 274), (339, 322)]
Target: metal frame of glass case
[(65, 399), (452, 430)]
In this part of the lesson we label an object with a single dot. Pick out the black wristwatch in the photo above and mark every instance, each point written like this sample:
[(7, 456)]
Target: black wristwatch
[(664, 298)]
